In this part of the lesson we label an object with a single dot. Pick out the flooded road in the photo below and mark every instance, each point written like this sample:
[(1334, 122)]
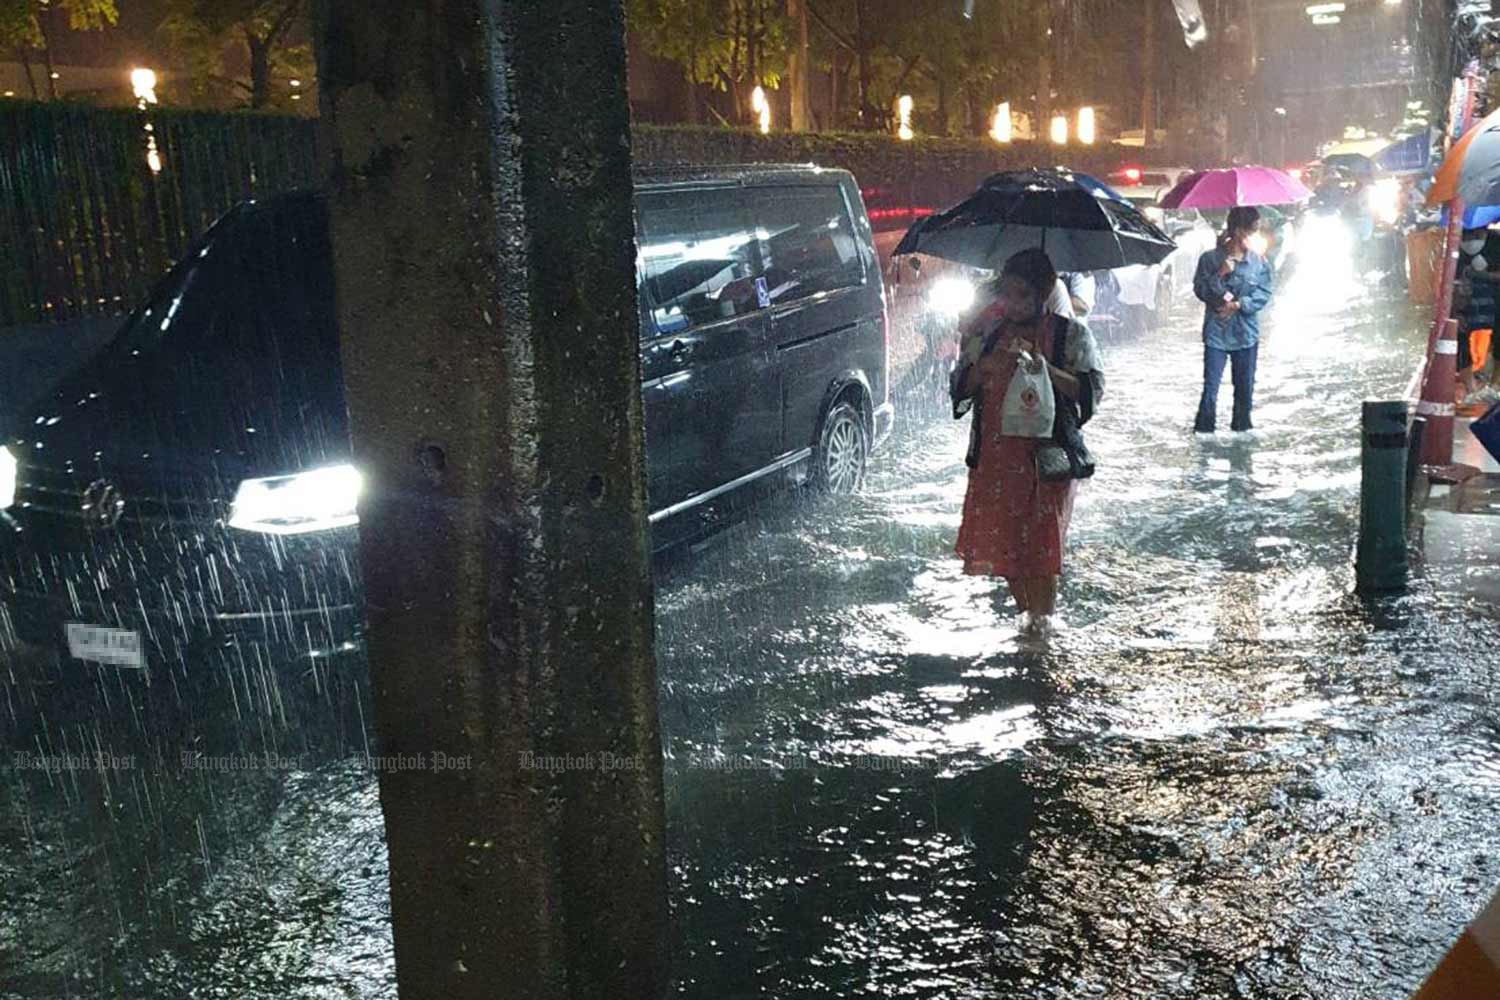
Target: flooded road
[(1226, 777)]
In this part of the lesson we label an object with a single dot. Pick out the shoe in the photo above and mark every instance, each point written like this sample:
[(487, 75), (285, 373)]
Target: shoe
[(1041, 627)]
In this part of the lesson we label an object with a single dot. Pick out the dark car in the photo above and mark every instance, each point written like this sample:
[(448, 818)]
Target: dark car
[(191, 487)]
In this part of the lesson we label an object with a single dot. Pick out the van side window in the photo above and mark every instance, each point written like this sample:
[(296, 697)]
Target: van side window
[(810, 242), (698, 257)]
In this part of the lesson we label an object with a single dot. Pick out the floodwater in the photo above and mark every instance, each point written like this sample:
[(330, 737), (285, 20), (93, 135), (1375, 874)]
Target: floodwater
[(1226, 777)]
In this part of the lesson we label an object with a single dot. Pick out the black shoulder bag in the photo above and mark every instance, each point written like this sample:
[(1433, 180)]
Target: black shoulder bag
[(1065, 456)]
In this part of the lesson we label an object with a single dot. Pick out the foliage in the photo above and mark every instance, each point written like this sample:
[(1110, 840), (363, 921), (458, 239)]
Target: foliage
[(26, 25), (22, 21), (728, 45), (956, 59), (241, 46)]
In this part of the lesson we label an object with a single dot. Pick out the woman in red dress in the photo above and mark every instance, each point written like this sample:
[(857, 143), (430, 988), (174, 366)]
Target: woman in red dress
[(1015, 525)]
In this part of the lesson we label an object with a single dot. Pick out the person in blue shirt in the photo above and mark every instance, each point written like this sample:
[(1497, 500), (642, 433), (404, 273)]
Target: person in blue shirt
[(1234, 283)]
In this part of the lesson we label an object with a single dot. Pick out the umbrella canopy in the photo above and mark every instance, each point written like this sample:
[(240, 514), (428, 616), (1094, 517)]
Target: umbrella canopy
[(1234, 187), (1367, 148), (1354, 163), (1471, 170), (1081, 223)]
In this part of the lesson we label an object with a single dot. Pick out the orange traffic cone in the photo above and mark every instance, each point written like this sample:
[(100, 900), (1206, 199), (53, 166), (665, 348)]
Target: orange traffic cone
[(1471, 970), (1437, 398)]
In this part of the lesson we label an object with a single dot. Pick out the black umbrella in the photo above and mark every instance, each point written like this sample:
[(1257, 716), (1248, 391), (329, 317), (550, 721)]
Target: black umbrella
[(1082, 224)]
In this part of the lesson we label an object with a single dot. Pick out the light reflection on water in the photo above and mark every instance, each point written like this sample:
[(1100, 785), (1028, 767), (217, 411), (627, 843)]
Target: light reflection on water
[(1214, 782)]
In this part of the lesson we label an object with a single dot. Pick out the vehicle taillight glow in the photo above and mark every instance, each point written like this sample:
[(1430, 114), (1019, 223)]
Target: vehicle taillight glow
[(1133, 174), (7, 478), (317, 500)]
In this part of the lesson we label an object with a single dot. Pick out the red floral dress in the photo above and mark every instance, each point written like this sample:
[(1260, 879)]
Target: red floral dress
[(1014, 525)]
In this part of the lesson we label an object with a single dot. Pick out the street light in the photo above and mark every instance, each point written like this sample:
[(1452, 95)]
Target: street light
[(143, 82), (903, 118), (1086, 133), (761, 107), (1000, 129), (1060, 130)]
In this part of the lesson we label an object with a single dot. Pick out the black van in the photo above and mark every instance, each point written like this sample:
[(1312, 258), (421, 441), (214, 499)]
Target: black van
[(192, 484)]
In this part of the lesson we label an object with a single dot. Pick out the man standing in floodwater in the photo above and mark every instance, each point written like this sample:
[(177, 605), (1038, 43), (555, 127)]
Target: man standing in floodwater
[(1234, 284)]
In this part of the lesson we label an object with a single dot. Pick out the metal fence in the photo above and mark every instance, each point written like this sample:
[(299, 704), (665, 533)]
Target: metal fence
[(89, 220), (95, 204)]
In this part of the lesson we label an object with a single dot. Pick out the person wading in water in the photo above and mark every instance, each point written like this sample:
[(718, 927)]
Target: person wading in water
[(1014, 524)]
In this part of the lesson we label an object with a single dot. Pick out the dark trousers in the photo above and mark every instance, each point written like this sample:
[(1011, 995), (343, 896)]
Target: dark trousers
[(1242, 364)]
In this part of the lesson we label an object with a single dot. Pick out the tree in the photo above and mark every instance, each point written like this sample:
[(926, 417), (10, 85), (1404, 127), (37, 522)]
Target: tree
[(28, 26), (727, 45), (260, 37)]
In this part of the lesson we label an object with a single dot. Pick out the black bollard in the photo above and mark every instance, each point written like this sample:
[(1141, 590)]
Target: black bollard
[(1415, 435), (1380, 566)]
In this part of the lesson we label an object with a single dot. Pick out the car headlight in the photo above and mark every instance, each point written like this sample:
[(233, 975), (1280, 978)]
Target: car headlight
[(952, 296), (7, 478), (316, 500), (1385, 200), (1324, 235)]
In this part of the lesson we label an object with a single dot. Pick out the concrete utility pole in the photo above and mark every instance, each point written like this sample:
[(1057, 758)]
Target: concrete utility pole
[(481, 210)]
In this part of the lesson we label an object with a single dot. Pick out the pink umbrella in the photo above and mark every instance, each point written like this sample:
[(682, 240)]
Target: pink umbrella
[(1235, 186)]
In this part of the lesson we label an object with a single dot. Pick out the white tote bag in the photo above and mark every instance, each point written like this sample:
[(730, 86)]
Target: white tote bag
[(1029, 406)]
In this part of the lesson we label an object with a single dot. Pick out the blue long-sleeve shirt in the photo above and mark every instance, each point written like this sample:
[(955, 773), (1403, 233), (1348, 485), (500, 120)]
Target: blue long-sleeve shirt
[(1249, 284)]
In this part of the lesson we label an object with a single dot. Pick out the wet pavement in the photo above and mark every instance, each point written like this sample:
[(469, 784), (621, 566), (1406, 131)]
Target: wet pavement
[(1226, 777)]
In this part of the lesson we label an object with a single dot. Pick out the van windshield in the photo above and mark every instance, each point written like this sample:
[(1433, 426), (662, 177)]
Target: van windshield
[(236, 351)]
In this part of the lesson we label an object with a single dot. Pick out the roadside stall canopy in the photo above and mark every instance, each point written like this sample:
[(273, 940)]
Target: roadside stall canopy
[(1368, 148), (1412, 155)]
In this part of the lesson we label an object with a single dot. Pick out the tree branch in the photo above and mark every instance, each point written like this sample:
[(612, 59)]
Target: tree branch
[(906, 70), (837, 35), (242, 85), (283, 23)]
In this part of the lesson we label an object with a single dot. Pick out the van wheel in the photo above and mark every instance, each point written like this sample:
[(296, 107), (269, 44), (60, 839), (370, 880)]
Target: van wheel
[(843, 446)]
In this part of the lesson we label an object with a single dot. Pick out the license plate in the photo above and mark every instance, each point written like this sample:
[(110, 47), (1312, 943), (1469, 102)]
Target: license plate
[(116, 646)]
